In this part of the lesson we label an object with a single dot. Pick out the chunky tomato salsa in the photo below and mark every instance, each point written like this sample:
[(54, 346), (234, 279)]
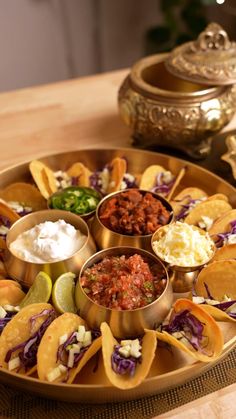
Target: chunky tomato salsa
[(133, 213), (123, 282)]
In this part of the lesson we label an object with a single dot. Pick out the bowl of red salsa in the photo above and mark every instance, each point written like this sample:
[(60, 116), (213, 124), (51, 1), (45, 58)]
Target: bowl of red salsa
[(127, 287), (129, 218)]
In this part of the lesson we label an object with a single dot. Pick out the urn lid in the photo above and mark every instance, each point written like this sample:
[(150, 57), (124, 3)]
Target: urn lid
[(210, 60)]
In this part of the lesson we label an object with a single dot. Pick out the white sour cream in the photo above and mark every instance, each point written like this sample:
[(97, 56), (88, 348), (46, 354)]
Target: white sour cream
[(48, 242)]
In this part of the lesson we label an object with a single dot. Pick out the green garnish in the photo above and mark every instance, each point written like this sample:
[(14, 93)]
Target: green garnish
[(77, 199)]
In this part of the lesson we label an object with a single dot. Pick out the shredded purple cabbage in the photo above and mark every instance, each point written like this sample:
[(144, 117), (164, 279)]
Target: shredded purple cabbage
[(62, 352), (162, 187), (186, 208), (74, 180), (187, 323), (6, 319), (95, 182), (225, 305), (221, 237), (29, 348), (129, 183), (122, 365)]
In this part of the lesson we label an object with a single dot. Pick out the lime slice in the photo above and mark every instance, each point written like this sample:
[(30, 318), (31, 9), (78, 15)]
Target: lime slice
[(63, 293), (40, 291)]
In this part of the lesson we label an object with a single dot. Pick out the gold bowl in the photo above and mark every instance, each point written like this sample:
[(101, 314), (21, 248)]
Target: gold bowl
[(124, 323), (24, 271), (105, 237), (180, 100), (181, 277)]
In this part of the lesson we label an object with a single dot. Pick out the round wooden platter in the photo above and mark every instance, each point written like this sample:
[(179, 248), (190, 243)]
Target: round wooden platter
[(171, 367)]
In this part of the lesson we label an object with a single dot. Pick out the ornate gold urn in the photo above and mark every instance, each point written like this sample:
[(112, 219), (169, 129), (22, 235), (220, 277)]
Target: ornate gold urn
[(179, 100)]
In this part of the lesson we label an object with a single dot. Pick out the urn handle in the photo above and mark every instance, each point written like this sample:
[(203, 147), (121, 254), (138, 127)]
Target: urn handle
[(214, 37)]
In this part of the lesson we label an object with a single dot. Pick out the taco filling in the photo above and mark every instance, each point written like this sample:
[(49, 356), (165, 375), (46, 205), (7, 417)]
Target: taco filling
[(187, 206), (188, 329), (227, 304), (7, 312), (226, 238), (24, 355), (164, 182), (71, 350), (126, 356)]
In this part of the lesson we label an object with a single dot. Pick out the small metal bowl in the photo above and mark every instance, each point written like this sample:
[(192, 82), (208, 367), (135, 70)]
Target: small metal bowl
[(124, 323), (181, 277), (87, 216), (25, 272), (105, 237)]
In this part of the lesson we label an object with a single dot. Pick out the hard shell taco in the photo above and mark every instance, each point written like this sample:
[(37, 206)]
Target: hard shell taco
[(20, 338), (186, 200), (223, 230), (65, 348), (157, 179), (206, 212), (23, 198), (215, 290), (128, 362), (192, 330)]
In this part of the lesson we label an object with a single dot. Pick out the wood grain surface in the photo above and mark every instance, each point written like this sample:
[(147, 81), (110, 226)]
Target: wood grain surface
[(76, 114)]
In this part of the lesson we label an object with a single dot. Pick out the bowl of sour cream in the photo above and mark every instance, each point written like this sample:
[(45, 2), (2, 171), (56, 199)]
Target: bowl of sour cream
[(53, 241)]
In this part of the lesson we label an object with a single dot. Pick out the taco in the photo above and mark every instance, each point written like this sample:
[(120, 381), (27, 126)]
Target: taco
[(226, 252), (23, 198), (215, 290), (113, 177), (65, 348), (10, 292), (192, 330), (21, 337), (159, 180), (43, 177), (7, 217), (128, 362), (186, 200), (223, 230), (206, 212)]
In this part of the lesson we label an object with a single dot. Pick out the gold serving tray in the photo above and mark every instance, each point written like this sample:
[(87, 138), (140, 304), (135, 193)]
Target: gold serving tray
[(170, 367)]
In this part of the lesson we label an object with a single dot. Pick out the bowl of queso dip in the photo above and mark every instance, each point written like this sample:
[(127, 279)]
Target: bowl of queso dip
[(127, 287), (53, 241)]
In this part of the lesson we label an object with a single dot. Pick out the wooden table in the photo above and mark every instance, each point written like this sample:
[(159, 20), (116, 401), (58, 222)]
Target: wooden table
[(82, 114)]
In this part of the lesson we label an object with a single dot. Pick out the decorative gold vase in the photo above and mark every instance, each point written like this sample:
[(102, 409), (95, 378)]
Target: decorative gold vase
[(179, 100)]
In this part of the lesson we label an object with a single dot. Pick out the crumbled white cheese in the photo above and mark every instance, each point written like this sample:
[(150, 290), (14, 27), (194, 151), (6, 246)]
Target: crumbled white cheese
[(130, 348), (182, 244), (3, 313), (14, 363), (206, 222)]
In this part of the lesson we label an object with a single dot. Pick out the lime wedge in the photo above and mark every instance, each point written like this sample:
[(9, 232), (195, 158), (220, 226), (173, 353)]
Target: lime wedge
[(63, 293), (40, 291)]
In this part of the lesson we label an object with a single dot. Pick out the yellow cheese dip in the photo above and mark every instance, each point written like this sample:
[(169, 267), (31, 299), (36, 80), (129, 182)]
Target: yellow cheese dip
[(48, 242)]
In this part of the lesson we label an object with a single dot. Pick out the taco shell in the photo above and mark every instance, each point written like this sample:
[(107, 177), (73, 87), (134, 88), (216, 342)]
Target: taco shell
[(148, 352), (43, 177), (10, 292), (183, 197), (222, 224), (220, 276), (225, 252), (7, 212), (118, 169), (67, 323), (209, 208), (18, 330), (211, 330), (81, 172), (148, 178), (24, 193)]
